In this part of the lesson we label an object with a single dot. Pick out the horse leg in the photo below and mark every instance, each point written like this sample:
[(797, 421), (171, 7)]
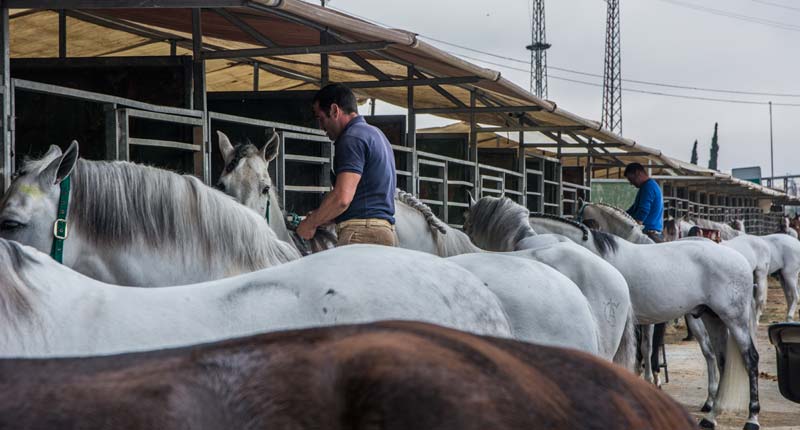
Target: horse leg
[(761, 279), (647, 351), (704, 340), (716, 336), (789, 284)]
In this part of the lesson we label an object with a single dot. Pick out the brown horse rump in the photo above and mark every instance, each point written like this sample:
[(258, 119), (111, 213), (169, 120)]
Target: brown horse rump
[(390, 375)]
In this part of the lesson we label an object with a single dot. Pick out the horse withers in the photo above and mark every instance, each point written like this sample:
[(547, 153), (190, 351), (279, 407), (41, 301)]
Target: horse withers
[(389, 375)]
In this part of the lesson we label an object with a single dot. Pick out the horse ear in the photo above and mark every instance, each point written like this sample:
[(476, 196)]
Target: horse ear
[(62, 166), (225, 147), (270, 150), (52, 153), (472, 201)]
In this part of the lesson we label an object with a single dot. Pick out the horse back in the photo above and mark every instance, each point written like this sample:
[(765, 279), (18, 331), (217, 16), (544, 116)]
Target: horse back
[(392, 375)]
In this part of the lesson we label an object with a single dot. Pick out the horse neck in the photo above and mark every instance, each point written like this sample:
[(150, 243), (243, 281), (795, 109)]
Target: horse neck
[(276, 218), (456, 242)]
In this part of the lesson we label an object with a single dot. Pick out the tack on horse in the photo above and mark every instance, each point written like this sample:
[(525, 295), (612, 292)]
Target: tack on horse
[(391, 375)]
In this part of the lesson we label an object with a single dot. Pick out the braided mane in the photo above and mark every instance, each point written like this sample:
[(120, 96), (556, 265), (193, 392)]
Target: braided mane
[(436, 225), (623, 213), (583, 228)]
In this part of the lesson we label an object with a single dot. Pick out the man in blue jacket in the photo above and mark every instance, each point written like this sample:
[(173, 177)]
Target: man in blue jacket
[(648, 208)]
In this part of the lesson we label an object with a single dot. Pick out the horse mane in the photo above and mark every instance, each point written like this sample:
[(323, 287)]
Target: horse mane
[(604, 242), (499, 218), (16, 297), (624, 214), (449, 241), (240, 151), (436, 225), (585, 230), (122, 203)]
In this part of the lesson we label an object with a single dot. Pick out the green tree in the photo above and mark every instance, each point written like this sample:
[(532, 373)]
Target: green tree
[(694, 153), (712, 160)]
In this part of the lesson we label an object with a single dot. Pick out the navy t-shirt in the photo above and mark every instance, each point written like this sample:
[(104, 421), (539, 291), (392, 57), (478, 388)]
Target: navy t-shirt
[(363, 149)]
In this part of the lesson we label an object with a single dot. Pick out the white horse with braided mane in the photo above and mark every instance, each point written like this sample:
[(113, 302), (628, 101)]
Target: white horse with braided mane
[(132, 225), (713, 283), (246, 178)]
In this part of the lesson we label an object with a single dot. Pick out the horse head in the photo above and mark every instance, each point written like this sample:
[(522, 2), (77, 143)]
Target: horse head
[(29, 209), (246, 175)]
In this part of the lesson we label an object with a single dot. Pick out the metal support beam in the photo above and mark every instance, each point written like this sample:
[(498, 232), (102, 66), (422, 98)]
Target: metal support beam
[(540, 129), (62, 34), (522, 168), (202, 158), (297, 50), (256, 71), (367, 66), (481, 110), (414, 82), (245, 27), (473, 146), (6, 147), (324, 63), (411, 134), (127, 4)]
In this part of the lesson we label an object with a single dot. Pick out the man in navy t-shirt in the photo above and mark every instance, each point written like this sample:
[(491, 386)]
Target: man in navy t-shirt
[(362, 200)]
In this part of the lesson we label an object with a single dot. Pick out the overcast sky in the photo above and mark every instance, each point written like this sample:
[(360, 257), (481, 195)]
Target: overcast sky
[(661, 42)]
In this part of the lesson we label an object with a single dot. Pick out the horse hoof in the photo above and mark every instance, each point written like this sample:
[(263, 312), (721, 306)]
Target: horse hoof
[(751, 426), (706, 408), (706, 424)]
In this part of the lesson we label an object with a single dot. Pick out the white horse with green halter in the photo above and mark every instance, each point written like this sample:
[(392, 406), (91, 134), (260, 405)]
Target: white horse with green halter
[(129, 224), (713, 282)]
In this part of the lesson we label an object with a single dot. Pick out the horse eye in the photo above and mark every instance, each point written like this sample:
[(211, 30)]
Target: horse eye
[(9, 225), (221, 186), (265, 190)]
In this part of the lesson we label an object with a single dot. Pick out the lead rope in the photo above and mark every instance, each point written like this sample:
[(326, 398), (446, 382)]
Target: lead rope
[(60, 227)]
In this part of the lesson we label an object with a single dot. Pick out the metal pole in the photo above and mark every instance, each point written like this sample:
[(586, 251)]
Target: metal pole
[(6, 150), (771, 149), (411, 134)]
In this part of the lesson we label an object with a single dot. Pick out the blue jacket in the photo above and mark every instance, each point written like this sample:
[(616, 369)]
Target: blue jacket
[(649, 206)]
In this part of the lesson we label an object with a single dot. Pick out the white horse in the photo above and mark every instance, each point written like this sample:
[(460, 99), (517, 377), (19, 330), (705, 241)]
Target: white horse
[(726, 232), (786, 227), (709, 279), (419, 229), (129, 224), (49, 309), (754, 249), (785, 263)]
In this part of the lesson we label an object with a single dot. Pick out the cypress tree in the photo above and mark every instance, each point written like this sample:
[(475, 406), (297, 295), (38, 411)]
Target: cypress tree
[(712, 161), (694, 153)]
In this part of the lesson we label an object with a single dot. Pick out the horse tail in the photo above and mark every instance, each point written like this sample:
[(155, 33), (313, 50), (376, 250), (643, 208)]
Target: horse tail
[(626, 350)]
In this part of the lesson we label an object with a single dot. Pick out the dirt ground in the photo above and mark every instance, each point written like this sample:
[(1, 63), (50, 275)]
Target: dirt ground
[(687, 374)]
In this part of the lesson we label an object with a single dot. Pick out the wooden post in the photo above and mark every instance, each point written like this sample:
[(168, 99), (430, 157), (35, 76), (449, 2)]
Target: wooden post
[(201, 136), (6, 149), (256, 71), (324, 63)]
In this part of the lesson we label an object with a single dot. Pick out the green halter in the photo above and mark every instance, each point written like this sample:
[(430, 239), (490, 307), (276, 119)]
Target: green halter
[(60, 228)]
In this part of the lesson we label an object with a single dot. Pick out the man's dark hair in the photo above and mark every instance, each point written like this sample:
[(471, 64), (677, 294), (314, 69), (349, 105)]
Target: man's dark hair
[(634, 168), (336, 94)]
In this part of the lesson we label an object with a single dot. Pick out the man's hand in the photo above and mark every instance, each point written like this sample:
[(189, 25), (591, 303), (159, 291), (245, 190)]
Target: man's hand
[(306, 229)]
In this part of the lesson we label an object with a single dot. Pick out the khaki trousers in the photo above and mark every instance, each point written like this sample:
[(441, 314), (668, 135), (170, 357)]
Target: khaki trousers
[(371, 230)]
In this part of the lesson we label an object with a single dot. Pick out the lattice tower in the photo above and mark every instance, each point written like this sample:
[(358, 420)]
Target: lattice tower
[(538, 48), (612, 74)]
